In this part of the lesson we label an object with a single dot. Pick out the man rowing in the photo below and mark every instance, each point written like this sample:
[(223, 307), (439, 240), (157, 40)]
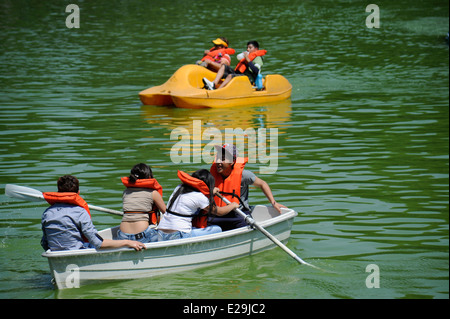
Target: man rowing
[(233, 181)]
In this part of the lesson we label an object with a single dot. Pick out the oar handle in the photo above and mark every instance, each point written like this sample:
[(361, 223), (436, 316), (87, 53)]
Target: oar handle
[(254, 224), (31, 194), (105, 210), (246, 217)]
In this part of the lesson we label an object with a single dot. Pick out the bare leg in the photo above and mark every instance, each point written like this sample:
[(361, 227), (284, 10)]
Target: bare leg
[(225, 82), (219, 75)]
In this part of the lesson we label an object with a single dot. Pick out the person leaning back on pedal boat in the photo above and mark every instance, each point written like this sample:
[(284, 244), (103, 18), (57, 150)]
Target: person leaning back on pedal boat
[(142, 199), (67, 224), (188, 204), (217, 56), (250, 64), (231, 178)]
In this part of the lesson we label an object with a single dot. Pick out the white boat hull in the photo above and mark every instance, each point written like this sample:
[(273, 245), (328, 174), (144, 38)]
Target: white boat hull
[(77, 267)]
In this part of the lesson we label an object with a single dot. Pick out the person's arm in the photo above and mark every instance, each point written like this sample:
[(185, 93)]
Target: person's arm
[(225, 60), (268, 192), (89, 231), (109, 243), (253, 68), (44, 241), (159, 201), (220, 211)]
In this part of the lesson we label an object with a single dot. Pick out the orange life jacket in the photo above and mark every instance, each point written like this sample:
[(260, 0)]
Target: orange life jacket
[(231, 184), (242, 65), (201, 220), (194, 182), (150, 183), (143, 183), (216, 55), (67, 198)]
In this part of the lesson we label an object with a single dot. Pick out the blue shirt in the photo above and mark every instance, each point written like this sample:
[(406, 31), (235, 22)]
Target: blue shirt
[(63, 226)]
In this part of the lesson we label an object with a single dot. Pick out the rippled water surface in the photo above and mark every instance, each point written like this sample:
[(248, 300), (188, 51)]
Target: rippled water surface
[(362, 143)]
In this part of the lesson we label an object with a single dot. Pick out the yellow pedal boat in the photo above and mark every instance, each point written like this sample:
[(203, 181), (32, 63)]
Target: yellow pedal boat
[(185, 89)]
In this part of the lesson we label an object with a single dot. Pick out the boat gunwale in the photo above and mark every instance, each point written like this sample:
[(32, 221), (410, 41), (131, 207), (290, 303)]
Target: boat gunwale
[(255, 95), (286, 215)]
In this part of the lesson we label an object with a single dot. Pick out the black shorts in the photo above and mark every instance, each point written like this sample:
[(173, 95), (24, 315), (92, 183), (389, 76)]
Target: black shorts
[(229, 70), (232, 220)]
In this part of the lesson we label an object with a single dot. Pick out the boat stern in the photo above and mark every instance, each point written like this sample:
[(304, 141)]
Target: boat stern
[(185, 81), (156, 95)]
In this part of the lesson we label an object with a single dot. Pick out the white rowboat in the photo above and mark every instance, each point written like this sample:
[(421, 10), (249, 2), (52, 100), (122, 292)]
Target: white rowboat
[(72, 268)]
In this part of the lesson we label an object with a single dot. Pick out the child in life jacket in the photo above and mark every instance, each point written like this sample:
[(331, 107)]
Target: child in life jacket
[(67, 223), (250, 64), (142, 201), (217, 56), (192, 200)]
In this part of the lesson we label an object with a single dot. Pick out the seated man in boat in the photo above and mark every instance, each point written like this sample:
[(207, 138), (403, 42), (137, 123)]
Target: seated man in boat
[(67, 224), (233, 181), (217, 56), (189, 206), (250, 64)]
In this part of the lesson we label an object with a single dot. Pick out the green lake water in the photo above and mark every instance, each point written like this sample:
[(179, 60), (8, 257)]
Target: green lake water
[(363, 143)]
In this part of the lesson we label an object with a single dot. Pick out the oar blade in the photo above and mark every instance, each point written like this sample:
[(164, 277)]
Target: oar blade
[(253, 223), (24, 193), (33, 195)]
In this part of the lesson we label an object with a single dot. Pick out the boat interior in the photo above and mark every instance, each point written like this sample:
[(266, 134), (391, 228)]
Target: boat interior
[(259, 213)]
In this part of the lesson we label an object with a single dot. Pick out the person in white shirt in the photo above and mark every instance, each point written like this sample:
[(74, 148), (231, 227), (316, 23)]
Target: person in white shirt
[(191, 202)]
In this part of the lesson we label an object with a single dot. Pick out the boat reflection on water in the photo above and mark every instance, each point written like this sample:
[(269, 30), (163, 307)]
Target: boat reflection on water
[(218, 125), (268, 115)]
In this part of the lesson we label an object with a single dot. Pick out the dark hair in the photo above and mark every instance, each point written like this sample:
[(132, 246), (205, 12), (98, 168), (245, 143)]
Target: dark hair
[(68, 183), (254, 43), (203, 175), (140, 171), (224, 40)]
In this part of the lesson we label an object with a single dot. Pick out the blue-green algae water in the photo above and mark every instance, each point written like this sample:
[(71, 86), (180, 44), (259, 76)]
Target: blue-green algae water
[(362, 143)]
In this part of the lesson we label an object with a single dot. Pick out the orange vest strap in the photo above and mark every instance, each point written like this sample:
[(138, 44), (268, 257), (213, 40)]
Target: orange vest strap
[(67, 198)]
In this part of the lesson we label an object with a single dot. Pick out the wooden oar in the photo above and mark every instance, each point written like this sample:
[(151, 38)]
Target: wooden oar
[(254, 224), (31, 194)]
